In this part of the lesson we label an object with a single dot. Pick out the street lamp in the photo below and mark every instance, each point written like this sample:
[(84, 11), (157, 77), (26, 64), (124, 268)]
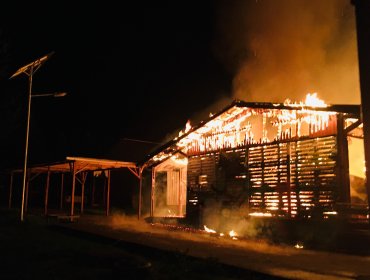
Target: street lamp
[(29, 70)]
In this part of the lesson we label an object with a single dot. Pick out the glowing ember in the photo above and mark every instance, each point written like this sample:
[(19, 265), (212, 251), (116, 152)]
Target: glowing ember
[(330, 213), (298, 245), (233, 234), (260, 214)]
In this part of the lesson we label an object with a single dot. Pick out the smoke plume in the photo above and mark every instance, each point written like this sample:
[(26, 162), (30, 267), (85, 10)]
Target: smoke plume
[(288, 48)]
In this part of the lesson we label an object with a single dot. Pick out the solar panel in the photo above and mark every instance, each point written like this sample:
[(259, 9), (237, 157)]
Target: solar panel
[(34, 64)]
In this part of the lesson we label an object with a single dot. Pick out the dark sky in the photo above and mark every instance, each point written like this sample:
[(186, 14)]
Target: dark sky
[(132, 70), (141, 69)]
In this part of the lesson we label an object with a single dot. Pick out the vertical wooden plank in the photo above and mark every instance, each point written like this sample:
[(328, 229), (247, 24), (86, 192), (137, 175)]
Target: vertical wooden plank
[(289, 191), (105, 191), (10, 190), (108, 194), (247, 178), (152, 194), (61, 191), (83, 191), (73, 188), (47, 192), (362, 9), (140, 191), (93, 190), (179, 201), (343, 162)]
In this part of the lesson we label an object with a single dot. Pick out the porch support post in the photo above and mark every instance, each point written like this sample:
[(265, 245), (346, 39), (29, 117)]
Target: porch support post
[(152, 194), (61, 191), (73, 188), (84, 175), (343, 163), (108, 195), (10, 190), (140, 192), (47, 192)]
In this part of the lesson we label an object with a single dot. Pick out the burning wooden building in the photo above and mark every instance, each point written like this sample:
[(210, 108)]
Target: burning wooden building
[(287, 160)]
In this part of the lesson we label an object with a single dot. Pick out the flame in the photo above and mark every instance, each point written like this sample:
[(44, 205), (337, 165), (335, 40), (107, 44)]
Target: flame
[(233, 234), (260, 214), (311, 101), (186, 129), (237, 127), (209, 229), (241, 126), (179, 160), (298, 245)]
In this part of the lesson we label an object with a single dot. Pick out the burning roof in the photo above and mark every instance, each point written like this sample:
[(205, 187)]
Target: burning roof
[(254, 123)]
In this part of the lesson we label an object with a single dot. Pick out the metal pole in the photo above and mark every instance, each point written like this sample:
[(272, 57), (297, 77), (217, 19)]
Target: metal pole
[(26, 148)]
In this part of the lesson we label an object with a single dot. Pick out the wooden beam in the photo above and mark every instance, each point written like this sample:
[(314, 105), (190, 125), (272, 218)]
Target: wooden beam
[(47, 193), (352, 126), (152, 194), (289, 190), (140, 193), (134, 171), (93, 191), (73, 188), (31, 178), (362, 9), (343, 162), (83, 180), (61, 191), (108, 194), (10, 190)]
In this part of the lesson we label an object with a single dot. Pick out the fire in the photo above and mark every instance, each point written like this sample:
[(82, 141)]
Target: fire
[(186, 129), (239, 126), (311, 101), (260, 214), (209, 229), (233, 234), (298, 245)]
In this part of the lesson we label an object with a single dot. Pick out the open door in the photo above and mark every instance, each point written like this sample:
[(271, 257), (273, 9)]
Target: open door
[(169, 189)]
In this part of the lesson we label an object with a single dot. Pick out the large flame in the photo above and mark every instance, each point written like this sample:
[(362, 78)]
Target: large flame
[(311, 101), (238, 126)]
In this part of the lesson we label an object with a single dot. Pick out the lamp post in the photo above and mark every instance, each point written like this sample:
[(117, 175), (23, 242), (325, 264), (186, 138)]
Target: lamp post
[(30, 69)]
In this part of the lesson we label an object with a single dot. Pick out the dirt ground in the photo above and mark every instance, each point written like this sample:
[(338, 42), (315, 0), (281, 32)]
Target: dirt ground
[(36, 249)]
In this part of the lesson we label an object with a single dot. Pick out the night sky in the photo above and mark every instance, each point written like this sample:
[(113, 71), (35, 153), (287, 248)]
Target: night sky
[(140, 70), (132, 70)]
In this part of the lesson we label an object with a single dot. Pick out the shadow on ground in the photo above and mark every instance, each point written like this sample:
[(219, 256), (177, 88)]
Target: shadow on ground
[(35, 250)]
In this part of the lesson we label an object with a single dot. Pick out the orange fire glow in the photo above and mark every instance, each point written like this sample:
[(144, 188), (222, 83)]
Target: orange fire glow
[(242, 125)]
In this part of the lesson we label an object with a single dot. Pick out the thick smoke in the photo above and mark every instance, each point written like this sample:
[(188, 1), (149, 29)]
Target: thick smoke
[(288, 48)]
